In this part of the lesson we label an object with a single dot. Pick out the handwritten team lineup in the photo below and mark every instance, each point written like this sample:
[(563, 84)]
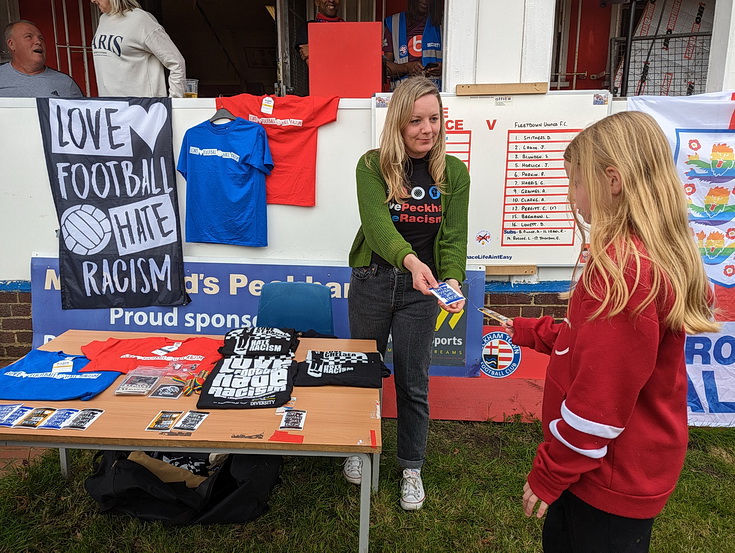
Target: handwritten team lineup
[(535, 208)]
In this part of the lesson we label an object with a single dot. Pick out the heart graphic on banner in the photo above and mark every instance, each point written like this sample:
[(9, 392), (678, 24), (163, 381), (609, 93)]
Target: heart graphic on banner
[(147, 124)]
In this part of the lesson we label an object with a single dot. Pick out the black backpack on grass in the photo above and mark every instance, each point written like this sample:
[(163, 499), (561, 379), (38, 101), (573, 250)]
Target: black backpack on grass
[(237, 492)]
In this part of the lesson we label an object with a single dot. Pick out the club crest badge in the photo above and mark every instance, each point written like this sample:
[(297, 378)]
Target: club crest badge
[(500, 356)]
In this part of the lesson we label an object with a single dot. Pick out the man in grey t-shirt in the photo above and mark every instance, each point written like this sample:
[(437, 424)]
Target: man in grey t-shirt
[(26, 76)]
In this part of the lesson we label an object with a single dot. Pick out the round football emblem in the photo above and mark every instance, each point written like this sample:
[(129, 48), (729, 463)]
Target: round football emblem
[(500, 356)]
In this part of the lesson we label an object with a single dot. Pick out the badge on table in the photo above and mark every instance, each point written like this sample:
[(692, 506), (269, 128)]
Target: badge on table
[(293, 419), (164, 420), (446, 294)]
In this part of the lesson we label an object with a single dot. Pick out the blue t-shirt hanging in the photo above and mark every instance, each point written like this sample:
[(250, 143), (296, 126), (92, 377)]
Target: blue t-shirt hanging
[(52, 376), (225, 166)]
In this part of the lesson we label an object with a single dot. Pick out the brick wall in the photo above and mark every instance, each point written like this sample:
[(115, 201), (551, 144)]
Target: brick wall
[(525, 304), (16, 330)]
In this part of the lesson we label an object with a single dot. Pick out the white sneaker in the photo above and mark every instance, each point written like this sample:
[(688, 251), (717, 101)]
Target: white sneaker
[(412, 490), (352, 470)]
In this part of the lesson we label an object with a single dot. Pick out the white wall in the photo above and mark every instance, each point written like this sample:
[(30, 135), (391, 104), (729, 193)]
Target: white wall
[(721, 69), (498, 41), (319, 235)]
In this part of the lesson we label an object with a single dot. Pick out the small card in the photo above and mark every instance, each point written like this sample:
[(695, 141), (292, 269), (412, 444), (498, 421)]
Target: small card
[(446, 294), (191, 421), (35, 417), (57, 420), (293, 419), (168, 391), (7, 409), (164, 421), (15, 415), (83, 419), (493, 314)]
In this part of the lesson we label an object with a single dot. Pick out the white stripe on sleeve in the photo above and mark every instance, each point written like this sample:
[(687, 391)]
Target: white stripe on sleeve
[(587, 426), (591, 453)]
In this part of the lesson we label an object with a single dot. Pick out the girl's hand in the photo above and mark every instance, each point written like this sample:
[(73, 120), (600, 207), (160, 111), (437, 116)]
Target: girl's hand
[(422, 277), (457, 306), (508, 327), (530, 500)]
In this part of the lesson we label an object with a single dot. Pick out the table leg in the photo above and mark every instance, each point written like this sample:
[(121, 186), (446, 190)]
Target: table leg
[(365, 483), (376, 471), (64, 460)]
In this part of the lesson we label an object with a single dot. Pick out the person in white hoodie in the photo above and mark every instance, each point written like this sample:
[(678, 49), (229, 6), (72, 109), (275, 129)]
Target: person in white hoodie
[(131, 50)]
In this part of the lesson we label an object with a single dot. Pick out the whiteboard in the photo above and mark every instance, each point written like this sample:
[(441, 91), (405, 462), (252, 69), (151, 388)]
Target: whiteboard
[(513, 147)]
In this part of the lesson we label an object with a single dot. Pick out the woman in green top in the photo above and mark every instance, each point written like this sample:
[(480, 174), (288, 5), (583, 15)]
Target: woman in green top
[(413, 201)]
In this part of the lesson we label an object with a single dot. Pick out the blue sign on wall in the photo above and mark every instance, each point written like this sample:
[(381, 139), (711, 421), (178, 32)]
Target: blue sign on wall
[(225, 296)]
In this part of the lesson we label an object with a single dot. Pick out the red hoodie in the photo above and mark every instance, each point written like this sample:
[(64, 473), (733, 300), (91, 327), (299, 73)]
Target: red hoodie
[(615, 403)]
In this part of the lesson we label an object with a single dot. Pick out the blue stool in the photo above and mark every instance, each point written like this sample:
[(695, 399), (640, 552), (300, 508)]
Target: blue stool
[(299, 305)]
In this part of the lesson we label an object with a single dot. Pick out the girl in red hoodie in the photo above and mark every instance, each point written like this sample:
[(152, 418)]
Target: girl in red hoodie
[(615, 399)]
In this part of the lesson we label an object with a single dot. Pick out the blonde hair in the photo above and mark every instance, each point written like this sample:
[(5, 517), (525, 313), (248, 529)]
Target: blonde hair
[(119, 7), (651, 207), (393, 155)]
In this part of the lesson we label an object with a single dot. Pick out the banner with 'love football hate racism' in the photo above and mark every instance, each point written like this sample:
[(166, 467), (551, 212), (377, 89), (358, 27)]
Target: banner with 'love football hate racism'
[(111, 169)]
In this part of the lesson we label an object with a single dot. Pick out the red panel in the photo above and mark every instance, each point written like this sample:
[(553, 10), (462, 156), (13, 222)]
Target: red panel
[(475, 399), (594, 42), (345, 59)]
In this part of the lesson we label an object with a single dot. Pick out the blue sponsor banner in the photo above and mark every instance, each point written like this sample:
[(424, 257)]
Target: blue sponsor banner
[(225, 296)]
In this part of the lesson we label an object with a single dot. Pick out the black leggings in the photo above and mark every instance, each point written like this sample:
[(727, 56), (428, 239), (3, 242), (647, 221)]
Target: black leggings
[(573, 526)]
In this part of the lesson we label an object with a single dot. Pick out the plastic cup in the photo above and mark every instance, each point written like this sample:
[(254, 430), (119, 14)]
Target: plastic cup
[(191, 88)]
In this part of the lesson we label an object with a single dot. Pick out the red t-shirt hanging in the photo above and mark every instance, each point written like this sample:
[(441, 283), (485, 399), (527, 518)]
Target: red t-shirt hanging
[(125, 355), (291, 123)]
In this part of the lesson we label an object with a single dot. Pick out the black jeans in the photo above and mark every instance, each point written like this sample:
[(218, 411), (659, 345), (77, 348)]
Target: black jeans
[(383, 302), (573, 526)]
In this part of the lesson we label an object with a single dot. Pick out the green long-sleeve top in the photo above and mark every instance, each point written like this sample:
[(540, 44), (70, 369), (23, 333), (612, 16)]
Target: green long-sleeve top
[(378, 234)]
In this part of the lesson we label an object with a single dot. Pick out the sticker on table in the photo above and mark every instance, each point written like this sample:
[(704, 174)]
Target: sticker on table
[(35, 417), (164, 421), (7, 410), (293, 419), (83, 419), (191, 421), (168, 391), (16, 415), (58, 419)]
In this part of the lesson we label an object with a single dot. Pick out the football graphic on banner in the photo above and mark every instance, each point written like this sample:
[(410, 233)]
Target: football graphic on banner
[(85, 229)]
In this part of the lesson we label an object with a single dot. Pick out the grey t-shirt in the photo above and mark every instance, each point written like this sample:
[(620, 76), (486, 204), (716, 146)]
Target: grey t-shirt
[(50, 83)]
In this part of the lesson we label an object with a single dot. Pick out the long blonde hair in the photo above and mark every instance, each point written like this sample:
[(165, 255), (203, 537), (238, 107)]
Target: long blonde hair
[(393, 156), (650, 207)]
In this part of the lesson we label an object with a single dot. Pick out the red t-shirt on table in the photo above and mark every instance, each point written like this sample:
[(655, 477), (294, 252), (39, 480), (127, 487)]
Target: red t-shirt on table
[(291, 123), (123, 356)]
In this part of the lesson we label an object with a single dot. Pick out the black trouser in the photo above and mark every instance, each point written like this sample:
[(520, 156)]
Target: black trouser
[(573, 526)]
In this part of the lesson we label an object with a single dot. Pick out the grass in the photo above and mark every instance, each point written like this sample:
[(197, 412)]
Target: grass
[(473, 476)]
